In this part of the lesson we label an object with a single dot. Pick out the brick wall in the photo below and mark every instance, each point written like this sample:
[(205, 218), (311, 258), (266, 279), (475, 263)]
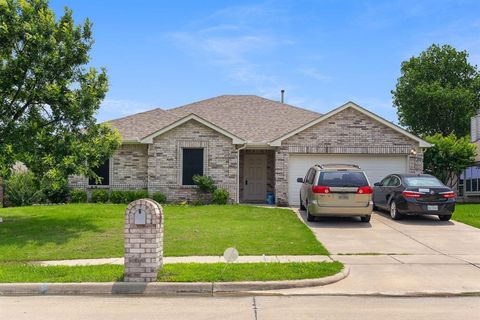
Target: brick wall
[(128, 169), (157, 166), (164, 161), (346, 132)]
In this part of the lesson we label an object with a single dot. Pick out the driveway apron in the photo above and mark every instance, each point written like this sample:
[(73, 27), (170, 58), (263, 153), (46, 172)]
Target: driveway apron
[(417, 255)]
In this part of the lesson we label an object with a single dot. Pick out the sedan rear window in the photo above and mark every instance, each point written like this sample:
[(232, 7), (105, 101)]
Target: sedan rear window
[(423, 182), (342, 179)]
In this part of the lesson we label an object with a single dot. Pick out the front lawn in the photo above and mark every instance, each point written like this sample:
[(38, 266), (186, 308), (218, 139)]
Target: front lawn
[(191, 272), (96, 231), (468, 214)]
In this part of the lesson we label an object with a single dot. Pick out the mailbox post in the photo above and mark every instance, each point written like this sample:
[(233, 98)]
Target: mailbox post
[(143, 240)]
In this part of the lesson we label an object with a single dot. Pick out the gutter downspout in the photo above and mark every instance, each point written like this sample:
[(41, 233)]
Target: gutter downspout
[(238, 171)]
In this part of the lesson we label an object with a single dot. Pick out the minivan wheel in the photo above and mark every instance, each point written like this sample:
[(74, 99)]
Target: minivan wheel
[(310, 218), (302, 207), (445, 217), (394, 212), (365, 218)]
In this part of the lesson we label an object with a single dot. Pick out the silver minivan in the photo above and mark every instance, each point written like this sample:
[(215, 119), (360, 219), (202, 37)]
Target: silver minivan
[(336, 190)]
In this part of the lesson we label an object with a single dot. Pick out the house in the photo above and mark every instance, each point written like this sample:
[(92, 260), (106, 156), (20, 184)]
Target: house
[(251, 146), (469, 182)]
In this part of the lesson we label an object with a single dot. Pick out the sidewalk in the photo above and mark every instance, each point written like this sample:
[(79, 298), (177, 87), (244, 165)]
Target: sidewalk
[(191, 259)]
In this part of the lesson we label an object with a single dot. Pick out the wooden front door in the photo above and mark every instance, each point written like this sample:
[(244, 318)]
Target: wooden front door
[(255, 177)]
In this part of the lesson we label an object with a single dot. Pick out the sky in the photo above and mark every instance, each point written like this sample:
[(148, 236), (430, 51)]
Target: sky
[(323, 53)]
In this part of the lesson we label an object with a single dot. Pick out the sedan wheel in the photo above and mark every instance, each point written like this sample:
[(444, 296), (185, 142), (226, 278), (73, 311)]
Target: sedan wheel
[(393, 211), (445, 217)]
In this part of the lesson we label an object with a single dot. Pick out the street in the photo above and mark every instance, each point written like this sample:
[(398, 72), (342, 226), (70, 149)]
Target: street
[(260, 307)]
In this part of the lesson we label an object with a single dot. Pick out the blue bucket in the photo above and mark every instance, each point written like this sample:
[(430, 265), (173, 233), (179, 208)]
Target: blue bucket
[(270, 198)]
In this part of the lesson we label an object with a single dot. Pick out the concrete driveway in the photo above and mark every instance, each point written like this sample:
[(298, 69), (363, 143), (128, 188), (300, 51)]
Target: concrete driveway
[(418, 255)]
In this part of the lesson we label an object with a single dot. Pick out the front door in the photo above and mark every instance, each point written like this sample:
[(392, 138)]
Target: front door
[(255, 177)]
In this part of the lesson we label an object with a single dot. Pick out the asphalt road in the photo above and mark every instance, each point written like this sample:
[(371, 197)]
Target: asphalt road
[(263, 307)]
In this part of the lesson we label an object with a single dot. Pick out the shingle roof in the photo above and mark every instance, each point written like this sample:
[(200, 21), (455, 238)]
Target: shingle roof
[(137, 126), (249, 117)]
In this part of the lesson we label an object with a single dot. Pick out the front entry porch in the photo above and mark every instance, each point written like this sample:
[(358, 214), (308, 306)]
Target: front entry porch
[(257, 175)]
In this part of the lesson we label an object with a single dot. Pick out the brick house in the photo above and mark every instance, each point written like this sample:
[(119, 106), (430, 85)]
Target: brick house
[(469, 182), (250, 146)]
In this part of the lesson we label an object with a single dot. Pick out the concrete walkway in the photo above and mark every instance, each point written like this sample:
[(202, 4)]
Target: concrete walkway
[(419, 255), (192, 259)]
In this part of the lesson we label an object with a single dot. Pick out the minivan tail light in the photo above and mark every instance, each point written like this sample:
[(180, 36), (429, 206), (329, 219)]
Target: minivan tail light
[(411, 194), (448, 194), (365, 190), (320, 189)]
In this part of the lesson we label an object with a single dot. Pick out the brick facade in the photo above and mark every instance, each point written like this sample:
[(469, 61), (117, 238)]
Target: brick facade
[(157, 166), (165, 161), (348, 132)]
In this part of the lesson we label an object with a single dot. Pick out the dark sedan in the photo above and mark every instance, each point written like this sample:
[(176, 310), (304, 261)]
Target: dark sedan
[(409, 194)]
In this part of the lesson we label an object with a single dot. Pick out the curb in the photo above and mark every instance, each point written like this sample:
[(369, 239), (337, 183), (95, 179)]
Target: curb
[(161, 288)]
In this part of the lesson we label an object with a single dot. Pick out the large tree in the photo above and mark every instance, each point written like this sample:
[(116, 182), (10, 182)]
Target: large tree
[(438, 92), (48, 96)]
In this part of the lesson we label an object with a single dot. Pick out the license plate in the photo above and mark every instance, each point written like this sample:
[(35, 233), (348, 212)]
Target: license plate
[(343, 196), (432, 208)]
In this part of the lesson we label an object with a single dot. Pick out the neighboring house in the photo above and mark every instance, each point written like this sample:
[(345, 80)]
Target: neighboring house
[(251, 146), (469, 183)]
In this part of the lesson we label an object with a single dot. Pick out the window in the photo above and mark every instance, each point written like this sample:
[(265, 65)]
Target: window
[(471, 179), (192, 164), (342, 179), (393, 182), (311, 176), (423, 182), (103, 172), (385, 181)]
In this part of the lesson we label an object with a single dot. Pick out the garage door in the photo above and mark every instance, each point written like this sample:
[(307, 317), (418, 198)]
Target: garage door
[(376, 167)]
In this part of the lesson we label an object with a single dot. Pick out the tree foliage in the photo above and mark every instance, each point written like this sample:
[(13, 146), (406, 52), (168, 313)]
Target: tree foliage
[(437, 92), (448, 157), (48, 96)]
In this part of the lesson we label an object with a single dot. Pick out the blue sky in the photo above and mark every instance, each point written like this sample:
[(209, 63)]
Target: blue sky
[(323, 53)]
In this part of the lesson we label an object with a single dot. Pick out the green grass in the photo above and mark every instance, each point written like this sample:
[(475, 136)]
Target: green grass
[(14, 273), (96, 231), (191, 272), (468, 214), (215, 272)]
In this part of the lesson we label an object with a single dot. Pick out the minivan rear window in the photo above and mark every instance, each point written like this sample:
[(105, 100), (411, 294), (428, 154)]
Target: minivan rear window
[(342, 179), (423, 182)]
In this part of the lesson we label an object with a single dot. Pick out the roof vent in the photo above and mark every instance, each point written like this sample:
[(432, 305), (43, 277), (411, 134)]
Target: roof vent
[(282, 96)]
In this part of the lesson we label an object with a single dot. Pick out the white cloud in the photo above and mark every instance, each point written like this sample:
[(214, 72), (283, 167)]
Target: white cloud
[(233, 38)]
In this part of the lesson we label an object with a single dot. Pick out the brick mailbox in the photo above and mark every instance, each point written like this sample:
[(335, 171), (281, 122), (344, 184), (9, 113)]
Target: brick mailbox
[(143, 240)]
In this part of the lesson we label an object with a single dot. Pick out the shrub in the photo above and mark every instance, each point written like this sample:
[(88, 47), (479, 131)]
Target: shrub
[(141, 194), (78, 196), (118, 196), (204, 183), (127, 196), (100, 196), (22, 190), (220, 196), (55, 191), (159, 197)]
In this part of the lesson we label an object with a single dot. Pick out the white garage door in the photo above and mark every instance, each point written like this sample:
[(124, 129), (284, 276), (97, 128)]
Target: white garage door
[(376, 167)]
